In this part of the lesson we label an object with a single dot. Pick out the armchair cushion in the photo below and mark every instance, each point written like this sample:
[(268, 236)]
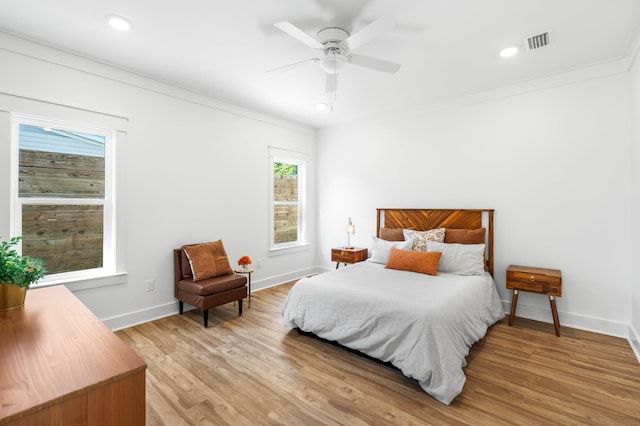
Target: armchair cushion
[(207, 260), (214, 285)]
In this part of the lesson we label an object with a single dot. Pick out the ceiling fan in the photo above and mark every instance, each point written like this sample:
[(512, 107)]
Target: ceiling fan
[(337, 44)]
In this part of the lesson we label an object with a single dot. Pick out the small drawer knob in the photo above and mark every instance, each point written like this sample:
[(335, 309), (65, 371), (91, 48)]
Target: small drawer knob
[(532, 278)]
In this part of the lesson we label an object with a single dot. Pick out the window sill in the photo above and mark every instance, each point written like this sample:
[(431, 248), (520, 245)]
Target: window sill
[(86, 283), (287, 250)]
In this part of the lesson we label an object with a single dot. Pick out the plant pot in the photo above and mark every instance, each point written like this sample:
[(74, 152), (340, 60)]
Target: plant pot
[(11, 296)]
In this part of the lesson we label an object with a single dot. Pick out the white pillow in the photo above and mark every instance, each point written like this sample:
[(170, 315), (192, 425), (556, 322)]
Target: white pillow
[(459, 259), (381, 249), (420, 238)]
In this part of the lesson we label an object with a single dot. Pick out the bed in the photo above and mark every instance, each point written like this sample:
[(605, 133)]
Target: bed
[(422, 324)]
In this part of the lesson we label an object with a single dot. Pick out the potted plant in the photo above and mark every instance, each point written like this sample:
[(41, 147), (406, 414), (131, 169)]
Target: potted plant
[(17, 273)]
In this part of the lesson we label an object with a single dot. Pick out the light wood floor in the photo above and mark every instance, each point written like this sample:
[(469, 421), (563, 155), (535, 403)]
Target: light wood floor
[(250, 370)]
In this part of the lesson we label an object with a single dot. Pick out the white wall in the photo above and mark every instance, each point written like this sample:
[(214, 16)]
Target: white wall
[(195, 169), (634, 335), (552, 161)]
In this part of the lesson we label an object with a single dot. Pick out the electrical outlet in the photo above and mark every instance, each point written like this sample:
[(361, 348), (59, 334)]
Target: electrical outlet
[(258, 263), (150, 285)]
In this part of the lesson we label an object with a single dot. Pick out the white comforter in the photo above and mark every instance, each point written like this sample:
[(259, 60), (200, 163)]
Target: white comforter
[(424, 325)]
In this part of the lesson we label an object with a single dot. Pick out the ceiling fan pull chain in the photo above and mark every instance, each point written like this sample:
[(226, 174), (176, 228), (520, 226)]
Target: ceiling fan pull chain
[(332, 94)]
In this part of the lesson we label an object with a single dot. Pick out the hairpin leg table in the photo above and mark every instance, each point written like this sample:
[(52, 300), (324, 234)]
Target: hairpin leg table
[(535, 280), (247, 271)]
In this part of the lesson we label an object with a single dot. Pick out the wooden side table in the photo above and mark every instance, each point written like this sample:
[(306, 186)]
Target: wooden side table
[(247, 271), (535, 280), (348, 255)]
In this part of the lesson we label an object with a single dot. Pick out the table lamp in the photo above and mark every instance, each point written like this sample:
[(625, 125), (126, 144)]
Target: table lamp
[(351, 229)]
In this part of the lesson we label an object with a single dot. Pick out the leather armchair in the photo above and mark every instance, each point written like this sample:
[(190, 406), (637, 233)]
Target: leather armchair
[(208, 293)]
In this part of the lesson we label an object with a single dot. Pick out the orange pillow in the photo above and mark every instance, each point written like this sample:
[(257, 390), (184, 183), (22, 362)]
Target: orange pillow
[(425, 262), (391, 234), (207, 260), (464, 236)]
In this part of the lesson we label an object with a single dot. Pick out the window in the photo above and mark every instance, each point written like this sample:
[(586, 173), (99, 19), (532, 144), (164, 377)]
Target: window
[(63, 196), (288, 191)]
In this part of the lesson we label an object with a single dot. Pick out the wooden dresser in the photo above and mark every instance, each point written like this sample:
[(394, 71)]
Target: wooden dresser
[(60, 365)]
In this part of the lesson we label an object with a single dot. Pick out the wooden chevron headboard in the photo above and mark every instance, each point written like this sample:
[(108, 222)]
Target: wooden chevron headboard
[(425, 219)]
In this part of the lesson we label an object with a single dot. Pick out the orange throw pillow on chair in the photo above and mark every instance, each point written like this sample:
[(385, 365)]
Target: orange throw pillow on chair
[(208, 260)]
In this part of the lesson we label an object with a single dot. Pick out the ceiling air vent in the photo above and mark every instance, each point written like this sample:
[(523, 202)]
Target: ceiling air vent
[(537, 41)]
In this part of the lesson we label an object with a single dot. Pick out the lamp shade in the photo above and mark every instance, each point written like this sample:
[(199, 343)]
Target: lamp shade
[(351, 228)]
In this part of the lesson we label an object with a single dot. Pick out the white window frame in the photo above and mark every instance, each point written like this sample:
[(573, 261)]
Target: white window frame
[(278, 155), (109, 267)]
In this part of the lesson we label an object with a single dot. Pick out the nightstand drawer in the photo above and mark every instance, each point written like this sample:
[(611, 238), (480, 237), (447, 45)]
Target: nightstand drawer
[(538, 280), (341, 256), (350, 255)]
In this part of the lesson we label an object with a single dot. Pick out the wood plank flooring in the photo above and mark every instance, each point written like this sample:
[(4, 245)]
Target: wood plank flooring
[(250, 370)]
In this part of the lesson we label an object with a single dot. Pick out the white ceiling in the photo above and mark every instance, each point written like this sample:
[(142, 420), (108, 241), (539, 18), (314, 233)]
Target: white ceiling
[(447, 48)]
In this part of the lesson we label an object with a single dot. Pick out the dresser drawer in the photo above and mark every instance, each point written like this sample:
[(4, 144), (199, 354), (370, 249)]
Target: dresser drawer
[(537, 280)]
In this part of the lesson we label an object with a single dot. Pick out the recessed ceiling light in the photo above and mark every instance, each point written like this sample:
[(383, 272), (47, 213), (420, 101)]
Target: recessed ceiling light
[(509, 51), (118, 22), (321, 106)]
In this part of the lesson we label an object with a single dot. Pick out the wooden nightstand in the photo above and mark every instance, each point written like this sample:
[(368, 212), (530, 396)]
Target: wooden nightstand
[(536, 280), (348, 255)]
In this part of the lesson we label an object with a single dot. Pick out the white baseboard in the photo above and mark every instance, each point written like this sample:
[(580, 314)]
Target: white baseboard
[(634, 341), (596, 325), (156, 312), (142, 316), (581, 322), (257, 285)]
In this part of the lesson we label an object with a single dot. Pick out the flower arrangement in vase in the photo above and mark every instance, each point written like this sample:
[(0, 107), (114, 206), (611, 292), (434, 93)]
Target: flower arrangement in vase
[(244, 262), (17, 273)]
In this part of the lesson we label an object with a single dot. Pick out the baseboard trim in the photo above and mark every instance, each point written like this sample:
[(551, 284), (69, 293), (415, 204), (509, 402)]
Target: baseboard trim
[(140, 317), (257, 285), (581, 322), (634, 341), (156, 312), (597, 325)]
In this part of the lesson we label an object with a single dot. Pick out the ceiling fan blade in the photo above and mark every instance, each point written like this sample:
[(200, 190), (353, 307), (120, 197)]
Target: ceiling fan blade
[(373, 63), (294, 65), (298, 34), (374, 30), (331, 83)]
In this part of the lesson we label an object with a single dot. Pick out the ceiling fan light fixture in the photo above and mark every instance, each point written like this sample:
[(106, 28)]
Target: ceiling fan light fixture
[(118, 22), (332, 63)]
